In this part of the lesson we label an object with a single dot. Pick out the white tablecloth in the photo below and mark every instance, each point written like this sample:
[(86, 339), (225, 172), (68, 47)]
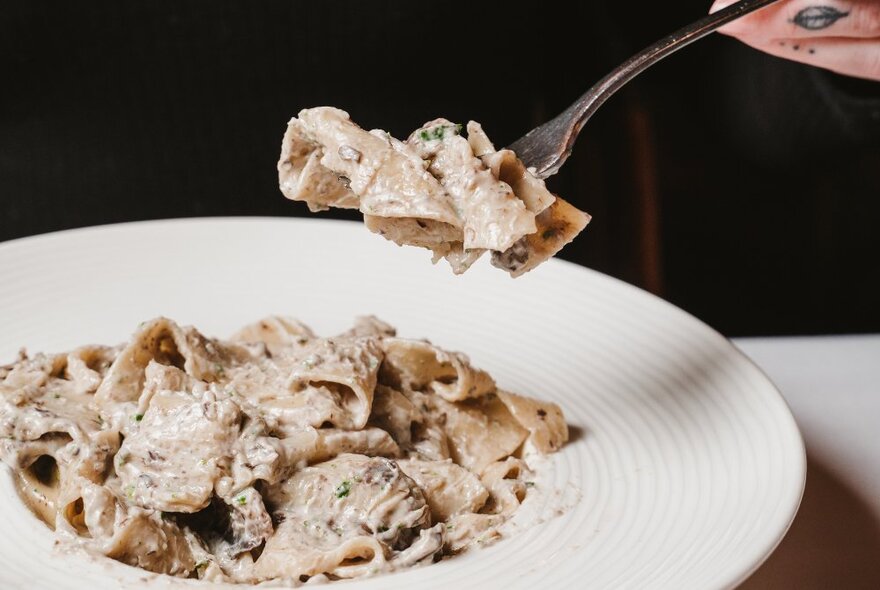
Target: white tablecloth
[(833, 387)]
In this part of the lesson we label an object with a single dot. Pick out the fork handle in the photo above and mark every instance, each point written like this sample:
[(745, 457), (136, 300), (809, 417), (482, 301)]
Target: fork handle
[(562, 131), (593, 98)]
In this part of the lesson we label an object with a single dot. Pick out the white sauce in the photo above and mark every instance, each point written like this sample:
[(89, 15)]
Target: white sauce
[(276, 456)]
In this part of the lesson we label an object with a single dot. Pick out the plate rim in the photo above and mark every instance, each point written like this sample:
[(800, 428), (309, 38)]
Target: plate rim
[(794, 432)]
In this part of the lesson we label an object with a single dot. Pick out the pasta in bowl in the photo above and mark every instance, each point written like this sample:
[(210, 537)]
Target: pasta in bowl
[(276, 455)]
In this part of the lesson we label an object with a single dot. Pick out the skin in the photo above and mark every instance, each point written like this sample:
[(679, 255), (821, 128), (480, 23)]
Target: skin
[(841, 36)]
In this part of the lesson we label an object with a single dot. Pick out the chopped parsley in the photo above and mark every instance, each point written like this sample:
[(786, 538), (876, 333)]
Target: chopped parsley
[(241, 500), (137, 417), (343, 489), (530, 484), (438, 132)]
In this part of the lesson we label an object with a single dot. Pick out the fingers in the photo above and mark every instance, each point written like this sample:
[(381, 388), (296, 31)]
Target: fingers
[(842, 36), (801, 19), (851, 57)]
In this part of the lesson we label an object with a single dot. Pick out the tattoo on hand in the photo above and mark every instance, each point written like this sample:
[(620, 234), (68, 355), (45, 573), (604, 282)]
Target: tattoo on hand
[(814, 18)]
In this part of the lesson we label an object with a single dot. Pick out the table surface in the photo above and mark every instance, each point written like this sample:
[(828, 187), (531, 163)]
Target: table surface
[(833, 387)]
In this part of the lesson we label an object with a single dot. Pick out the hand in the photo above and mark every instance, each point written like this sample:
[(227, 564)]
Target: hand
[(841, 36)]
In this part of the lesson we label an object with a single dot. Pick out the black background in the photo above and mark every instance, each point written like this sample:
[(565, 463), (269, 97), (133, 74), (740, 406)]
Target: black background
[(738, 186)]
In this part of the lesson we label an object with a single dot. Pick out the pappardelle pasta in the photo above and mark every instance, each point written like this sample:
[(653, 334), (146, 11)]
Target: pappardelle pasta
[(276, 455), (458, 197)]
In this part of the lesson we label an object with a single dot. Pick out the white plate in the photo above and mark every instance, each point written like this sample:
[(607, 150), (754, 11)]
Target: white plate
[(689, 464)]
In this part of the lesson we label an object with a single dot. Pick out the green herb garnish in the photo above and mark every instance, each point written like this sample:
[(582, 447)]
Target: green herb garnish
[(241, 500), (137, 417), (343, 489), (438, 132)]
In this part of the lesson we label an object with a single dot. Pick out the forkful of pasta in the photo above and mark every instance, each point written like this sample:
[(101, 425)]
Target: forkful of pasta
[(455, 195)]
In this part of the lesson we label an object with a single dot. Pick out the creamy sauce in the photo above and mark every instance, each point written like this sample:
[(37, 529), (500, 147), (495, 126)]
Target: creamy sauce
[(276, 455), (458, 197)]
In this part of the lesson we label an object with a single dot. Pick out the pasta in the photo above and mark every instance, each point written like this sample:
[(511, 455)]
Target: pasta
[(276, 455), (458, 197)]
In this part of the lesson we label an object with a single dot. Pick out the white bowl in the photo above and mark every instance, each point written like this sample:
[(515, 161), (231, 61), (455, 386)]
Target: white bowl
[(685, 469)]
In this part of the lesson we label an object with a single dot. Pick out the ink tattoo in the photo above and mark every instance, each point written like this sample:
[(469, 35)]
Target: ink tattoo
[(815, 18)]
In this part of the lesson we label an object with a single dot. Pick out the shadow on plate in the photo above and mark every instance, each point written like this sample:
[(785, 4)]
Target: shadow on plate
[(575, 433), (834, 541)]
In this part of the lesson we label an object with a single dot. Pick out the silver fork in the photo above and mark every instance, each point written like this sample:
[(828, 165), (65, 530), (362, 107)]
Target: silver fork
[(546, 148)]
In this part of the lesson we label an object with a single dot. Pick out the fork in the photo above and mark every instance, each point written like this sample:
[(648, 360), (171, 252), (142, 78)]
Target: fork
[(546, 148)]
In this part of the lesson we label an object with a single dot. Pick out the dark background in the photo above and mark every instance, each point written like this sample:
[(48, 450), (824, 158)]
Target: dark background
[(740, 187)]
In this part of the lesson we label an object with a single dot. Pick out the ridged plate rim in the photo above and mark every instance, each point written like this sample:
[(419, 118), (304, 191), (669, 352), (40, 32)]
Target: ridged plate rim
[(371, 250)]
